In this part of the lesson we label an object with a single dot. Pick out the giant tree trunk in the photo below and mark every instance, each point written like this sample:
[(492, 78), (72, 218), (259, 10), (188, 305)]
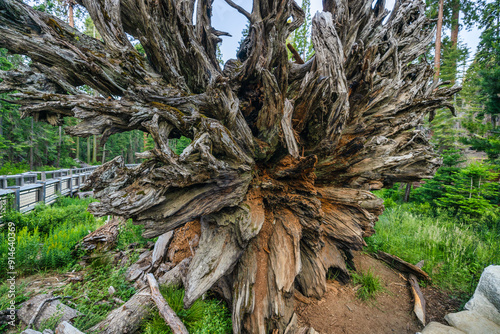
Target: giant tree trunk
[(283, 156)]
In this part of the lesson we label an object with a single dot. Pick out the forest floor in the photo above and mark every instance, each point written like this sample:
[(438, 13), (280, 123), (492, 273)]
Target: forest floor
[(340, 311)]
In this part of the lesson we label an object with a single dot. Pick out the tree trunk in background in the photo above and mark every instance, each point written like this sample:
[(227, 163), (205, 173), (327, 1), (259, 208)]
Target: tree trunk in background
[(71, 19), (437, 55), (283, 156), (78, 148), (71, 22), (59, 147), (103, 154), (89, 156), (455, 22), (407, 193), (455, 27), (31, 146), (94, 149), (130, 151)]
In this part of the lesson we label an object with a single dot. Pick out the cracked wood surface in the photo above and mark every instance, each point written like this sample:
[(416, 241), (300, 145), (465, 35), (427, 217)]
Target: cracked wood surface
[(283, 155)]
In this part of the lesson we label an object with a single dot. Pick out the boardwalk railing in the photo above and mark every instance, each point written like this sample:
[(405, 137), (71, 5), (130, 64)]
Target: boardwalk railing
[(23, 191)]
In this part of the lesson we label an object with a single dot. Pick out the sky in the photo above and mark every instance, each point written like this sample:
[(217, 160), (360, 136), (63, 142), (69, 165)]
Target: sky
[(227, 19)]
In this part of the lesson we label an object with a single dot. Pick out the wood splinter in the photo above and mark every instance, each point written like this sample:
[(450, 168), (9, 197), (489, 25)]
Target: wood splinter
[(419, 305), (165, 310)]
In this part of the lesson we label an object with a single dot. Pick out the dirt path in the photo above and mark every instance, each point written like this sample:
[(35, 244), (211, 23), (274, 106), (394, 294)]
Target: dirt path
[(392, 311)]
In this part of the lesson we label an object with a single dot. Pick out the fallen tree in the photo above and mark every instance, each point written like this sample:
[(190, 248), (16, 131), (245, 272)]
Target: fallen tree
[(283, 155)]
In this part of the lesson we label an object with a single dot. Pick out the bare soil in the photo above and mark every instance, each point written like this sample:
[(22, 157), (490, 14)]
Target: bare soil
[(340, 311)]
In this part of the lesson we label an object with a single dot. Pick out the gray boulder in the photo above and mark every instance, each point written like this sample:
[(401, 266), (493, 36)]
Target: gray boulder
[(486, 299), (472, 322), (437, 328)]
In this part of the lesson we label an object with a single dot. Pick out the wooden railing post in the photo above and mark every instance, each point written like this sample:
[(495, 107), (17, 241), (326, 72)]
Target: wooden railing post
[(71, 182), (17, 198)]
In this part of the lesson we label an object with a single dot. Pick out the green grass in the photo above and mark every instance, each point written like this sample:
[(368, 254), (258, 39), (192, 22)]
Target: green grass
[(91, 296), (455, 254), (204, 316), (46, 218), (46, 237), (370, 284), (130, 233)]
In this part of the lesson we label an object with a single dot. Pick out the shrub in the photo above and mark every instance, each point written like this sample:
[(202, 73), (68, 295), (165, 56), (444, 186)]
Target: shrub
[(204, 316), (45, 218), (130, 233), (97, 302), (369, 283), (46, 237), (455, 253)]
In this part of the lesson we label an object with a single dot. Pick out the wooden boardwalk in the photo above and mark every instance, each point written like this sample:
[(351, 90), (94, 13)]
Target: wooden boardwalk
[(24, 191)]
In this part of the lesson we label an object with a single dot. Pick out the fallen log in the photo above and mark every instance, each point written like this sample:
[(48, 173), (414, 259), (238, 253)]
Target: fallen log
[(402, 265), (40, 308), (128, 317), (418, 296), (165, 310), (176, 275), (104, 237)]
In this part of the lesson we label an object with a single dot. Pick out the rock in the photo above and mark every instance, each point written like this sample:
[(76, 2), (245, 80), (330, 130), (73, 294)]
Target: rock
[(51, 309), (66, 328), (30, 331), (111, 290), (472, 322), (437, 328), (48, 331), (486, 299)]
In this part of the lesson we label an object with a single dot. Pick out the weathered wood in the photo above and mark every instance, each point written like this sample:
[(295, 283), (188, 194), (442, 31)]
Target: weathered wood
[(104, 237), (418, 296), (283, 155), (38, 309), (128, 317), (402, 265), (160, 249), (164, 309), (177, 275)]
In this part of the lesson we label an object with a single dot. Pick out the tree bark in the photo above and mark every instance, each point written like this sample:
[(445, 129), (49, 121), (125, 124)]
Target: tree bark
[(455, 23), (94, 149), (407, 193), (165, 310), (88, 151), (31, 145), (283, 156), (128, 317), (437, 56), (455, 27)]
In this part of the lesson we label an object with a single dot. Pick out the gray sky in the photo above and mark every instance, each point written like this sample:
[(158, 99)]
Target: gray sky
[(229, 20)]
